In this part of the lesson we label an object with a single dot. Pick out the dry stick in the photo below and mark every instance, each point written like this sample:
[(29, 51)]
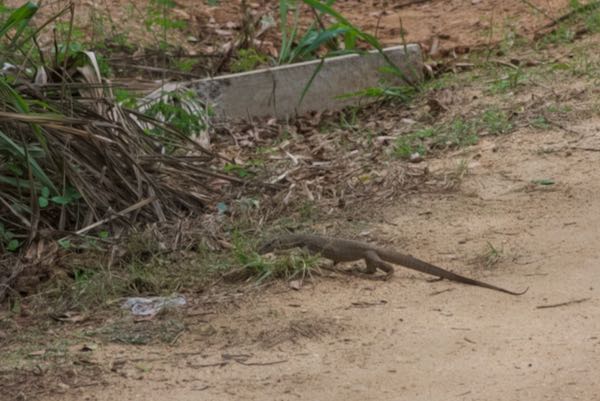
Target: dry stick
[(585, 148), (157, 69), (208, 365), (261, 363), (376, 33), (16, 213), (576, 301), (410, 3), (123, 212)]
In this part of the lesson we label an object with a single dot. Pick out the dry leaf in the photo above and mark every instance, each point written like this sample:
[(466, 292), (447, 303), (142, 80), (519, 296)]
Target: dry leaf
[(295, 285)]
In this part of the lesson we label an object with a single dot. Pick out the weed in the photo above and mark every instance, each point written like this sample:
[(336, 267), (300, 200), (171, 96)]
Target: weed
[(592, 22), (510, 81), (496, 121), (8, 241), (158, 17), (560, 109), (404, 94), (291, 266), (459, 133), (179, 110), (461, 170), (185, 64), (561, 35), (244, 170), (247, 60), (308, 211), (125, 98), (406, 145), (492, 255), (349, 118), (298, 47), (539, 122)]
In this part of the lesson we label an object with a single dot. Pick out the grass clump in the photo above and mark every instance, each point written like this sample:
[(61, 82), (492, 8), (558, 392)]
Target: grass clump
[(261, 268), (496, 121), (247, 60), (407, 145), (458, 133)]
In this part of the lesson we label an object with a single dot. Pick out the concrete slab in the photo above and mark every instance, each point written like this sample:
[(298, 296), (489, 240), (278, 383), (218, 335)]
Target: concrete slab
[(277, 91)]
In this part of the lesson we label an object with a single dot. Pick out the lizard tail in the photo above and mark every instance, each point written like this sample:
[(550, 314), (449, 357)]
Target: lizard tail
[(424, 267)]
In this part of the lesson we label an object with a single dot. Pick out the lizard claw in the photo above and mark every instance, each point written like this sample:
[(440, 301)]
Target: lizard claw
[(363, 273)]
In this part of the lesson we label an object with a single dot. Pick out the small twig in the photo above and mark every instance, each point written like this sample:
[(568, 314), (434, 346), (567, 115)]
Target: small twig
[(208, 365), (367, 304), (157, 69), (441, 292), (576, 301), (410, 3), (585, 148), (260, 363), (15, 212), (504, 63), (122, 213)]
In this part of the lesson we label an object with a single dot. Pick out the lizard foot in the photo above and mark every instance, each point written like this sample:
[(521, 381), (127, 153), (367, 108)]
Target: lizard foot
[(364, 273)]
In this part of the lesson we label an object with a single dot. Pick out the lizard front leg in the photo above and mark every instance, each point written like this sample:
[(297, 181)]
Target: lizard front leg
[(374, 262)]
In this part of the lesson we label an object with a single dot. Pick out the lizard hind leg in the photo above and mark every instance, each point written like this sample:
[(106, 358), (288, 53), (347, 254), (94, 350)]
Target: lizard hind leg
[(374, 262)]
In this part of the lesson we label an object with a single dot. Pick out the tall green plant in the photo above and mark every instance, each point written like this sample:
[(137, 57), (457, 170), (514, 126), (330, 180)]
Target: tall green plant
[(296, 46), (299, 47)]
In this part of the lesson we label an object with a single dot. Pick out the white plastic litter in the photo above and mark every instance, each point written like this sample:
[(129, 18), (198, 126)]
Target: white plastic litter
[(150, 306)]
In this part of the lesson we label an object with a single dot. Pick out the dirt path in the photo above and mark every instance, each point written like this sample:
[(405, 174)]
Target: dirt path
[(409, 339)]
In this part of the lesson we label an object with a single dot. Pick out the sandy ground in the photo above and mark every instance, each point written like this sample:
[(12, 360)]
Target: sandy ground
[(409, 339)]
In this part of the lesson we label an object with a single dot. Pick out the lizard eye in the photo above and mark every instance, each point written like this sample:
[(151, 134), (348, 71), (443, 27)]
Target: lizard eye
[(266, 246)]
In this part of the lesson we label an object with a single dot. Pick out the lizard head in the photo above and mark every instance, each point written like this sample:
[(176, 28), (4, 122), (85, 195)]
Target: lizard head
[(278, 242), (267, 246)]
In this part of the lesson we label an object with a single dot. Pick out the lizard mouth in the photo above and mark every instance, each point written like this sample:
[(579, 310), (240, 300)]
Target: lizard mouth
[(264, 248)]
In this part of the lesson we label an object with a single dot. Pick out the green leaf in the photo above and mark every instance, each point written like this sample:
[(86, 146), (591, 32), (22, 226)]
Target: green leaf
[(20, 17), (64, 243), (544, 181), (43, 202), (103, 234), (45, 192), (61, 200), (13, 245), (19, 152)]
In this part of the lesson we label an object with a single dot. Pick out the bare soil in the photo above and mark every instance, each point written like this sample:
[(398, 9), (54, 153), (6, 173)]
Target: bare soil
[(342, 338)]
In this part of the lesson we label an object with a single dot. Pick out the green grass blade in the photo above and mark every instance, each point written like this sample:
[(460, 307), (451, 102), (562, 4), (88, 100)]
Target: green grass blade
[(20, 17), (19, 152), (310, 81)]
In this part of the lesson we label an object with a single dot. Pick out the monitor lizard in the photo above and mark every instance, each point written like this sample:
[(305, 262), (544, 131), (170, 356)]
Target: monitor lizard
[(342, 250)]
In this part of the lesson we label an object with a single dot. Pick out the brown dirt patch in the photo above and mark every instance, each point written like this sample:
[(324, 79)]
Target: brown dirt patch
[(454, 23)]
